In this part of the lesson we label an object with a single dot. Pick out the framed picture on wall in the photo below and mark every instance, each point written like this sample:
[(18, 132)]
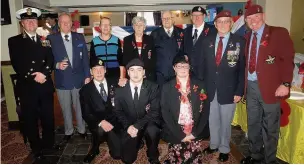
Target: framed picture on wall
[(5, 13)]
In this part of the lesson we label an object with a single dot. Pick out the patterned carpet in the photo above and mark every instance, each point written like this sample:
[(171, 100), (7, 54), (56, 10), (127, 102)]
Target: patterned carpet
[(13, 150)]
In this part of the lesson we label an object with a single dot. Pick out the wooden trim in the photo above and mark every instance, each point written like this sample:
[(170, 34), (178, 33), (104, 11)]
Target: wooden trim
[(6, 63)]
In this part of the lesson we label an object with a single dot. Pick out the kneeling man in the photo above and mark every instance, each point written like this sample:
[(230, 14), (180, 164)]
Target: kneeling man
[(137, 109), (97, 102)]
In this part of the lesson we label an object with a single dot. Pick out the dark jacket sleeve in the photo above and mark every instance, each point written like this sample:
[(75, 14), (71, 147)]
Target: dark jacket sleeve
[(167, 116), (88, 117), (14, 53), (92, 50), (204, 117), (120, 114), (153, 112), (241, 75), (85, 58)]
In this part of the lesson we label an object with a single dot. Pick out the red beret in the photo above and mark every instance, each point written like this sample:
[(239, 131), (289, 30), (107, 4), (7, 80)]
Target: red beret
[(253, 10), (224, 13)]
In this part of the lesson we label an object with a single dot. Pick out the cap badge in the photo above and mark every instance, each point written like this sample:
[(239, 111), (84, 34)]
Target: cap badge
[(29, 11), (258, 9), (199, 9), (100, 62)]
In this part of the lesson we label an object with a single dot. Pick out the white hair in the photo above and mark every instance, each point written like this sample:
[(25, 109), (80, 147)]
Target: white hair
[(166, 11), (137, 19)]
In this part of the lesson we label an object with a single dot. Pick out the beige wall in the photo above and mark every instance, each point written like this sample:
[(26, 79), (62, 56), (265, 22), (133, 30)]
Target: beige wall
[(180, 19), (8, 31), (278, 12), (297, 25)]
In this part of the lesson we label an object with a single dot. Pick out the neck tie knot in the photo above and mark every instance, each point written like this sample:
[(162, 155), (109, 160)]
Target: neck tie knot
[(255, 34), (66, 37), (33, 38), (135, 88)]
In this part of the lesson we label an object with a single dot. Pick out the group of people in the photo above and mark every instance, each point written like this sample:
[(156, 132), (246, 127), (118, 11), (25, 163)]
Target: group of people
[(177, 85)]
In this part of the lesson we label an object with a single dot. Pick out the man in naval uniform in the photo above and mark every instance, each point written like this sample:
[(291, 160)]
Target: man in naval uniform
[(32, 59)]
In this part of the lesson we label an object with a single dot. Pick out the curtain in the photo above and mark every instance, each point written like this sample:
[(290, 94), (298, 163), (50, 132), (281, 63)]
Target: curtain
[(129, 17), (157, 18)]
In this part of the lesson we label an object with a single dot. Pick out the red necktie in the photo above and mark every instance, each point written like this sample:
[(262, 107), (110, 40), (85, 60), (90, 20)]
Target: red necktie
[(219, 51), (253, 51)]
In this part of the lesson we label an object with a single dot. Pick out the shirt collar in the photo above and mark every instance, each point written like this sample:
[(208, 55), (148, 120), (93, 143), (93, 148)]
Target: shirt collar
[(30, 34), (199, 28), (63, 34), (260, 31), (171, 29), (132, 85), (97, 83), (225, 37)]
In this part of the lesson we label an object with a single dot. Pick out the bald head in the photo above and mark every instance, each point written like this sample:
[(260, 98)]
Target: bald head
[(65, 23)]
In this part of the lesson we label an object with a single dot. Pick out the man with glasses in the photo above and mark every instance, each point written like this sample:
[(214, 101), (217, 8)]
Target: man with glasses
[(223, 63), (194, 36), (168, 41)]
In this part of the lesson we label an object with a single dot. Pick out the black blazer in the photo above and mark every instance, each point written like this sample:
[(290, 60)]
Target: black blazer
[(94, 108), (228, 78), (28, 57), (148, 110), (170, 108), (148, 56), (191, 50), (167, 48)]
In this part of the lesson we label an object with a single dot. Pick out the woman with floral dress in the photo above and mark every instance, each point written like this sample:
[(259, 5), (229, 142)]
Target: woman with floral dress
[(185, 112)]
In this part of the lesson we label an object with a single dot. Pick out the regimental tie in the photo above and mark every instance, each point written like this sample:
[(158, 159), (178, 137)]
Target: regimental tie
[(253, 51), (135, 99), (194, 36), (219, 51), (103, 92), (66, 38)]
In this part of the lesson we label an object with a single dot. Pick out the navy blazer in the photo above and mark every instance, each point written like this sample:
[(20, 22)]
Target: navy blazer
[(73, 76), (166, 49), (191, 50), (228, 78)]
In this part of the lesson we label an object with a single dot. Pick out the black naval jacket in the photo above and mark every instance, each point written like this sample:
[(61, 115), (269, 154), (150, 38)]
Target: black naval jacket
[(28, 57)]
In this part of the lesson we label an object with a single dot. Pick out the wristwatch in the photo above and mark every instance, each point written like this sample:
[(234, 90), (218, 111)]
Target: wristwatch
[(286, 84)]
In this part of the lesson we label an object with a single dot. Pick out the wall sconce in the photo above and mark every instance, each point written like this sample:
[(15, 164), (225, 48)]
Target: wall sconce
[(177, 13)]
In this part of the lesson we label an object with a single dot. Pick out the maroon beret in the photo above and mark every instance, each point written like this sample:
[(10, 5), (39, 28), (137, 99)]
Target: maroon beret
[(224, 13), (253, 10)]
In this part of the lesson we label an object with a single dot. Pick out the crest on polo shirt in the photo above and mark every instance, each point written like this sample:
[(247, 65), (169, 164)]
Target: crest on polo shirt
[(29, 11)]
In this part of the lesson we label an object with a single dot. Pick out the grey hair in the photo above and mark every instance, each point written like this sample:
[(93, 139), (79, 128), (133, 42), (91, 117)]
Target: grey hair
[(137, 19), (64, 14), (166, 11)]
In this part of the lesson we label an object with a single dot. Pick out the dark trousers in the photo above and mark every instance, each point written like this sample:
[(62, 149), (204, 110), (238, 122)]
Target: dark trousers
[(131, 146), (34, 106), (263, 125), (112, 139)]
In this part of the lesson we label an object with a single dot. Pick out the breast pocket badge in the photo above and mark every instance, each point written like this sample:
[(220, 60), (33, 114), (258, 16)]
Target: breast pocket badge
[(149, 54), (232, 57), (270, 59)]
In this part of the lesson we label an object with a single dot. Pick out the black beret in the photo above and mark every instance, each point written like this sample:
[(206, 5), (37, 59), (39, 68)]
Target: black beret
[(199, 9), (179, 59), (135, 62), (95, 61)]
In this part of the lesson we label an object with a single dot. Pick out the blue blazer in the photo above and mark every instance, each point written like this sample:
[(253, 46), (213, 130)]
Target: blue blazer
[(74, 75)]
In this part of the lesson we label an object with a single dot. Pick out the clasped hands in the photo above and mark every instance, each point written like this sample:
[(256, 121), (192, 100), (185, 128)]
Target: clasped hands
[(132, 131), (188, 138)]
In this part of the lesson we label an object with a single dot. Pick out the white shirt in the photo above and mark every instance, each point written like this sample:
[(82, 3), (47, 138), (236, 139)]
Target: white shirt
[(69, 34), (171, 30), (105, 85), (199, 29), (132, 86), (32, 36)]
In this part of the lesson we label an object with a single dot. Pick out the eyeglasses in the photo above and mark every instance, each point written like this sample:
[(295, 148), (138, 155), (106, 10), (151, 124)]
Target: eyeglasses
[(223, 22), (182, 66), (167, 19)]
